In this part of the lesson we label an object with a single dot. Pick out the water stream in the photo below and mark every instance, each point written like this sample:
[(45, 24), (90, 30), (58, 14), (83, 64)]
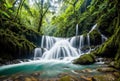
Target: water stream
[(54, 56)]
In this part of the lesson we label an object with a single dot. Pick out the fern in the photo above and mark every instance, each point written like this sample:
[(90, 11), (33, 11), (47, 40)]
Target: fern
[(7, 4), (4, 13)]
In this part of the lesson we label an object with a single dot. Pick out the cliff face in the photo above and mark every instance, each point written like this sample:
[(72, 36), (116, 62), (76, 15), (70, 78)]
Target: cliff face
[(106, 14), (17, 41)]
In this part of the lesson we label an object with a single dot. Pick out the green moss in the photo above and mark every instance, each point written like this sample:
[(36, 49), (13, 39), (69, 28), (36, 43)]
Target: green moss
[(85, 59), (14, 46), (111, 48), (118, 79), (65, 78), (95, 38), (23, 31)]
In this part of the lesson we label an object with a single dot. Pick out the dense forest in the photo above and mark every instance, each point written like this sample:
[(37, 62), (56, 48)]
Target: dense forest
[(23, 23)]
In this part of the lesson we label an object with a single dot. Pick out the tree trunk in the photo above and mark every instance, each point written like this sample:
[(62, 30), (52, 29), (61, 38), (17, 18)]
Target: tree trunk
[(40, 24)]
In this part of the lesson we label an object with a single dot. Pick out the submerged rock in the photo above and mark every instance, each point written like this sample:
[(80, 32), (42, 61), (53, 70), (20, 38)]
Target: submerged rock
[(68, 78), (106, 69), (104, 77)]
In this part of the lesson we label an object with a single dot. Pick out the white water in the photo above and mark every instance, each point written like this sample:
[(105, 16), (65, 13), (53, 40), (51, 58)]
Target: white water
[(39, 52), (48, 42), (93, 28), (64, 48), (103, 38), (60, 50), (81, 45), (77, 30)]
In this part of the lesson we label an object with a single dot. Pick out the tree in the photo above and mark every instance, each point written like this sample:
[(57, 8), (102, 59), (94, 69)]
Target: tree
[(19, 7), (43, 9)]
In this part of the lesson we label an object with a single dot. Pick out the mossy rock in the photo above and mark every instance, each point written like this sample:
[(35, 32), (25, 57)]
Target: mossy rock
[(117, 64), (85, 59), (13, 46), (104, 77), (65, 78), (69, 78), (95, 38), (23, 31), (106, 69)]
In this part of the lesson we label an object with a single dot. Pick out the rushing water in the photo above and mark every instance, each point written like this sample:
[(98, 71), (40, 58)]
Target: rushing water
[(54, 56), (47, 68), (76, 29)]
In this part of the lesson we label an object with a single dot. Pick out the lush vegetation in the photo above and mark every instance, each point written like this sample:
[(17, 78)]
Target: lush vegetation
[(25, 20), (107, 16)]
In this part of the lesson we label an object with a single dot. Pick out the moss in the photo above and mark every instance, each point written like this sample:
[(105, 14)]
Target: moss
[(65, 78), (118, 79), (85, 59), (23, 31), (111, 48), (117, 64), (13, 46), (104, 77), (95, 38)]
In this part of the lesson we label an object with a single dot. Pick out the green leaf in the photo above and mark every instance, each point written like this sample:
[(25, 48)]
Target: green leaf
[(4, 13), (7, 4)]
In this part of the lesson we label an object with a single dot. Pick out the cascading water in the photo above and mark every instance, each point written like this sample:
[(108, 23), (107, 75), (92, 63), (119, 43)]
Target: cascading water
[(38, 53), (103, 38), (62, 48), (88, 36), (76, 29), (48, 42), (93, 28), (81, 42)]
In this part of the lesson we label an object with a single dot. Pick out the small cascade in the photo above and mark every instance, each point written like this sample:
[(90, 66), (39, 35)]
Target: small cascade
[(103, 38), (74, 41), (60, 50), (38, 53), (65, 48), (93, 28), (81, 45), (77, 30), (48, 42), (88, 39)]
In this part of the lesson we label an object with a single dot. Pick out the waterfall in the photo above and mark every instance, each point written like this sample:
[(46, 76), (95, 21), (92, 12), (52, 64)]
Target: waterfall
[(93, 28), (88, 39), (60, 50), (88, 36), (81, 42), (103, 38), (38, 53), (64, 48), (76, 29), (77, 41), (48, 42), (73, 41)]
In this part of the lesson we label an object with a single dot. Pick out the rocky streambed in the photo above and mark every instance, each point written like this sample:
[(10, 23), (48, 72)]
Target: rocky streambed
[(58, 71)]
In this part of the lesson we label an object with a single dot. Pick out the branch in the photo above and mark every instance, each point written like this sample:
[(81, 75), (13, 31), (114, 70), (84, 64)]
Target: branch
[(20, 6), (45, 11), (37, 4)]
